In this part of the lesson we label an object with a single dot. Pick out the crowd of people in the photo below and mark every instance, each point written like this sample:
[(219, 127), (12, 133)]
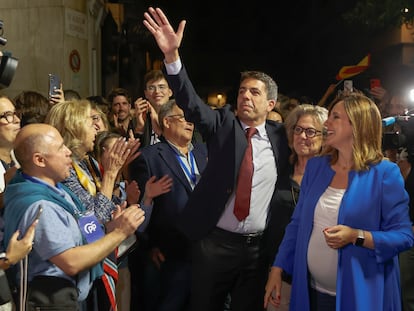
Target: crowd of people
[(163, 203)]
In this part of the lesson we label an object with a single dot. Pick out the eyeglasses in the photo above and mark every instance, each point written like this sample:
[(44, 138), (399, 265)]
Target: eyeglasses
[(309, 132), (9, 116), (153, 88), (180, 117)]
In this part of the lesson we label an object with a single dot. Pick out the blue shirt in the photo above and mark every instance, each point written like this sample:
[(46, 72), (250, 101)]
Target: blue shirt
[(56, 232)]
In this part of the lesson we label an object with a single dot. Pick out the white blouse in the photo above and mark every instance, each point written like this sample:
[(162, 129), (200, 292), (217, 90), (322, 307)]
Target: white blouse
[(323, 260)]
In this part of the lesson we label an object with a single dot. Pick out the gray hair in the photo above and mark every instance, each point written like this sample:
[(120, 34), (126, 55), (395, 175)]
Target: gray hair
[(319, 115), (165, 110)]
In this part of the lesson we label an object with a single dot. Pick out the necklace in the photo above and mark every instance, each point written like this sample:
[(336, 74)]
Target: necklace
[(293, 195)]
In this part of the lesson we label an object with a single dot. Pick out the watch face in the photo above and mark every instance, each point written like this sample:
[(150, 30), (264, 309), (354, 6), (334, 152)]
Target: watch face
[(359, 241)]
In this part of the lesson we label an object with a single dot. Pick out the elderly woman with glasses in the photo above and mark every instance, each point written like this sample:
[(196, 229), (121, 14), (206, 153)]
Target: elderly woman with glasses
[(304, 126)]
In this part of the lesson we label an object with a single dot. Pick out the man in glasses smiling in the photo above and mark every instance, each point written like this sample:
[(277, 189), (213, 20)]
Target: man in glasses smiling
[(157, 92), (183, 161)]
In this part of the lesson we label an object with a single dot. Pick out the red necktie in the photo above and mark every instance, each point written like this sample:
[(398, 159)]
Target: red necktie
[(244, 181)]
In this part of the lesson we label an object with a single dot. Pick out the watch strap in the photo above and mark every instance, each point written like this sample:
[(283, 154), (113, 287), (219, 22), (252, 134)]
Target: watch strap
[(360, 239)]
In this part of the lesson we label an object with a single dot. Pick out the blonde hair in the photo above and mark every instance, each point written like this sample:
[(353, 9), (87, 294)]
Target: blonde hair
[(69, 118), (366, 122)]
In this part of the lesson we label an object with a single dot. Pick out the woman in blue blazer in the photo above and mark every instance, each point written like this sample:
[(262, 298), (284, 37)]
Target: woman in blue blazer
[(350, 223)]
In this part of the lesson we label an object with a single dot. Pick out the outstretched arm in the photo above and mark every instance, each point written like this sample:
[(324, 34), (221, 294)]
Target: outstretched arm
[(167, 39), (76, 259)]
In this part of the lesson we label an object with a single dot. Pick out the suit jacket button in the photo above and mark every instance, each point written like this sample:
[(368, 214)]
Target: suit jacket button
[(229, 190)]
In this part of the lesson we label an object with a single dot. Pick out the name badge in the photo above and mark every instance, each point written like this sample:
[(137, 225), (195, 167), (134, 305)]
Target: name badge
[(90, 227)]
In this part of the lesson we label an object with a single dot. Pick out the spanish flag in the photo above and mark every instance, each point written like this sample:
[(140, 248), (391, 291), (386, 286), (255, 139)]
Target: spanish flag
[(350, 71)]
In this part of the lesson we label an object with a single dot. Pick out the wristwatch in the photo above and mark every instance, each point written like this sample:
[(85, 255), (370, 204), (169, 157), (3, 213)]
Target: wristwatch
[(360, 239), (3, 256)]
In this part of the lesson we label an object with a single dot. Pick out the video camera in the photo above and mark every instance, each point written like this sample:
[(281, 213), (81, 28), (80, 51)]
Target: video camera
[(8, 64), (404, 138)]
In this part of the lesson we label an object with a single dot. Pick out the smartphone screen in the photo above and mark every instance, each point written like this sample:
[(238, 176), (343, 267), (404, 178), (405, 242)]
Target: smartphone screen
[(348, 86), (375, 83), (54, 83)]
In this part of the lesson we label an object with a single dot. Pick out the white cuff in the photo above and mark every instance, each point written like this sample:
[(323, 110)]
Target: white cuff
[(174, 67)]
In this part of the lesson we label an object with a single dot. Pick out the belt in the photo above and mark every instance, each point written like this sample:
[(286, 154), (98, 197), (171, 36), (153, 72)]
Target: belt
[(244, 238)]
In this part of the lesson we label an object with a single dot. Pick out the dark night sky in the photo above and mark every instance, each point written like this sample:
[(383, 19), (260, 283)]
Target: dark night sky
[(302, 44)]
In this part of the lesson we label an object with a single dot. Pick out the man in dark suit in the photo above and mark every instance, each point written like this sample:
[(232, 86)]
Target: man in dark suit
[(228, 254), (183, 162)]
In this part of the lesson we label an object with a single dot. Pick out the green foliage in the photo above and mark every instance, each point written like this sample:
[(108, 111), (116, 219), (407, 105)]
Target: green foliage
[(379, 15)]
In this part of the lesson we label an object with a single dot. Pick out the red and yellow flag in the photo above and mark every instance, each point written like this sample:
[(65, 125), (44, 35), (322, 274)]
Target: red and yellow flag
[(350, 71)]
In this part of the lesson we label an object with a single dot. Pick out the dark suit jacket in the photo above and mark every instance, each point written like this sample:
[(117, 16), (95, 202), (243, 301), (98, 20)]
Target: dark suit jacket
[(226, 143), (159, 160), (145, 137)]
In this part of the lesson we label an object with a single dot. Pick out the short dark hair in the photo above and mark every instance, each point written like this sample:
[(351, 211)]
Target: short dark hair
[(71, 94), (271, 86), (152, 75), (32, 107), (118, 92)]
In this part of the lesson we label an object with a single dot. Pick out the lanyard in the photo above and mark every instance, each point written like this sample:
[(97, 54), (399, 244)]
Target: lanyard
[(191, 163), (39, 181), (191, 175)]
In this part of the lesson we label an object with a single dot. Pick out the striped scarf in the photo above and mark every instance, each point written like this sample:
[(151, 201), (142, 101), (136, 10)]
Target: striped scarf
[(110, 276)]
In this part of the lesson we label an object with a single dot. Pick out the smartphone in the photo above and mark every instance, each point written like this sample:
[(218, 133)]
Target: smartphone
[(374, 83), (348, 86), (39, 212), (54, 83)]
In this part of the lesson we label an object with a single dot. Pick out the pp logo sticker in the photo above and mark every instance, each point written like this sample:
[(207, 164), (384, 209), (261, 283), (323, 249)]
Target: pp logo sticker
[(90, 227)]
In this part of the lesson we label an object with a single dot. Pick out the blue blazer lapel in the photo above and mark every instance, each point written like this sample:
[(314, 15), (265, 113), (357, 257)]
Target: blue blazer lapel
[(168, 155)]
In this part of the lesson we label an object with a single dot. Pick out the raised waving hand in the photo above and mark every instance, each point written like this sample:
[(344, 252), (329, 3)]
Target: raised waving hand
[(167, 39)]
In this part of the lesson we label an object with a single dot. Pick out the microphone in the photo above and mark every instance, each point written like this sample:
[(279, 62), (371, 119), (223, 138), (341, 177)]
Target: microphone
[(391, 120), (388, 121)]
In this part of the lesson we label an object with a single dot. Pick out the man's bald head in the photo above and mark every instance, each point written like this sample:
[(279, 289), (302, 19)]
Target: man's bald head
[(33, 138)]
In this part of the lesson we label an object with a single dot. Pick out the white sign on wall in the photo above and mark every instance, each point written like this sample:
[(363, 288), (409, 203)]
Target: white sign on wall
[(76, 24)]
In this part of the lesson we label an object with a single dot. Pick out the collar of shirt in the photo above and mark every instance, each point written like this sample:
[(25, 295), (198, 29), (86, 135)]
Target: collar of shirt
[(175, 148), (58, 188), (261, 129)]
